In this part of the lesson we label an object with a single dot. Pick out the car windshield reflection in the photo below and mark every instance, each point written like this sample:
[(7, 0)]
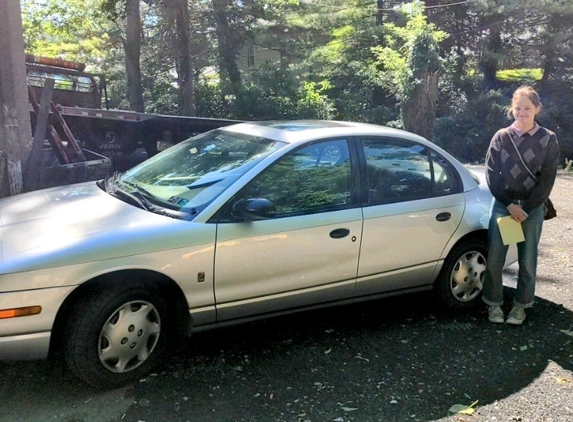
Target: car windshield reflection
[(190, 175)]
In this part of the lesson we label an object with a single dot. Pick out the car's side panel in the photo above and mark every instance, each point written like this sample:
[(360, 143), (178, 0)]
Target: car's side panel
[(191, 268), (404, 279), (293, 254), (406, 237)]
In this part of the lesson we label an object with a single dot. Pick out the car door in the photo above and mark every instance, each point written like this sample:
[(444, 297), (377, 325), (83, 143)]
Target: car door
[(306, 251), (414, 204)]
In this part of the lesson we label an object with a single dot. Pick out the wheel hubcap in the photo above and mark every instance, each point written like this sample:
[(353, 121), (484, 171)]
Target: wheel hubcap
[(129, 336), (466, 282)]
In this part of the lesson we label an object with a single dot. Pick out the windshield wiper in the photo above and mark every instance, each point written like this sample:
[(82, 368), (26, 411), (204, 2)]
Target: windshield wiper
[(108, 183), (141, 197), (139, 190), (203, 184), (168, 212), (136, 198)]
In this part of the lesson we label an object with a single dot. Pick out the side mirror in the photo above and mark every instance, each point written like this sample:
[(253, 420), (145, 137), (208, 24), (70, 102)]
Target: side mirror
[(253, 209)]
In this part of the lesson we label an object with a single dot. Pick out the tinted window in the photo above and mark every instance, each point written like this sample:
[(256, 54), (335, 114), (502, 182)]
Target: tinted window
[(399, 170), (193, 173), (311, 179), (445, 176)]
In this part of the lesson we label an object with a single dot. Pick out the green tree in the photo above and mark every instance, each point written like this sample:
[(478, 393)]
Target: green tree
[(70, 29), (127, 14), (344, 34), (408, 65)]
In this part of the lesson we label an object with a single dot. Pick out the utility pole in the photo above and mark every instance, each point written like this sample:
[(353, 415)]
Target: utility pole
[(15, 129)]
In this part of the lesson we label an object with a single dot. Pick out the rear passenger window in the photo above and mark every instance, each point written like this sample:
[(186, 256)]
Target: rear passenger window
[(445, 180), (400, 170)]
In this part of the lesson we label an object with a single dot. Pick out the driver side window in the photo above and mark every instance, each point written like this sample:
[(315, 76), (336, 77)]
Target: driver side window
[(315, 178)]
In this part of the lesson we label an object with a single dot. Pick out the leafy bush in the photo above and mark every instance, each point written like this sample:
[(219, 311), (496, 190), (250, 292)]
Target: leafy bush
[(210, 101), (467, 133), (267, 93)]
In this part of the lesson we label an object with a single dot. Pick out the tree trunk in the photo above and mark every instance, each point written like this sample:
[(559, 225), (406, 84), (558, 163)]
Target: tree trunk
[(419, 104), (15, 131), (419, 109), (186, 85), (490, 56), (132, 56), (178, 13), (227, 46)]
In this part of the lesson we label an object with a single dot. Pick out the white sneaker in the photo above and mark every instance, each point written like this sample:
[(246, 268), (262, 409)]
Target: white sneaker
[(495, 315), (516, 316)]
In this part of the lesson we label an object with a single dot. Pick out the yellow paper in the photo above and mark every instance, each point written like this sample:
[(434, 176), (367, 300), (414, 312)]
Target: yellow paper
[(511, 231)]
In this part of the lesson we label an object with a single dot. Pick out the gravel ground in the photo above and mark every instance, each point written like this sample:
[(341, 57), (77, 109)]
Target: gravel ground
[(543, 347), (397, 359)]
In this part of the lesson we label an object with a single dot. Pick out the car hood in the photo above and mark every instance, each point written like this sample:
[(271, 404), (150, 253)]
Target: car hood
[(77, 223)]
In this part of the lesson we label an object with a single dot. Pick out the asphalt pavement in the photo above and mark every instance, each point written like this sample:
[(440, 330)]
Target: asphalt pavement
[(397, 359)]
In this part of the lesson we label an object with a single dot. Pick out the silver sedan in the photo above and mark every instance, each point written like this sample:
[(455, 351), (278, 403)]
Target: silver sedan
[(242, 222)]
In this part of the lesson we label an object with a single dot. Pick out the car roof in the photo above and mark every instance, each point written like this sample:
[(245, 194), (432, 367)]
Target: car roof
[(297, 131)]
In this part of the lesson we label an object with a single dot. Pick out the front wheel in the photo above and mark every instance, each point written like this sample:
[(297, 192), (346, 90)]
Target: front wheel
[(460, 282), (117, 334)]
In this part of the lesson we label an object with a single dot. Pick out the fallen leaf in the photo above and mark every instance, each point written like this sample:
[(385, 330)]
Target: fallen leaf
[(463, 409), (568, 332), (349, 409), (523, 348)]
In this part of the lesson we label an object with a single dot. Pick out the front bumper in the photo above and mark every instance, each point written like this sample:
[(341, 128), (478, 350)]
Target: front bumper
[(25, 347), (28, 337)]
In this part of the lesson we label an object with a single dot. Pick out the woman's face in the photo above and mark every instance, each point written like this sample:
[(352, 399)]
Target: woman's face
[(524, 112)]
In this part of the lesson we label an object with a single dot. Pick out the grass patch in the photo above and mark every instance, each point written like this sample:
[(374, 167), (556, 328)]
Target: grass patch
[(517, 75)]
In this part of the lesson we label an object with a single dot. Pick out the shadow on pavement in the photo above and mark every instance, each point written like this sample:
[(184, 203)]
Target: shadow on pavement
[(396, 359)]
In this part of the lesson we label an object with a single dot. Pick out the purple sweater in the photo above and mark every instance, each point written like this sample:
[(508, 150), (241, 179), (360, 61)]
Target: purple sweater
[(506, 176)]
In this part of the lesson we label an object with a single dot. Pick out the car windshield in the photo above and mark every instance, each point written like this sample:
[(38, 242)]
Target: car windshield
[(191, 174)]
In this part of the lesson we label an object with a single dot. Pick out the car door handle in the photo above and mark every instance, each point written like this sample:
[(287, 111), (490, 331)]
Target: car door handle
[(339, 233), (444, 216)]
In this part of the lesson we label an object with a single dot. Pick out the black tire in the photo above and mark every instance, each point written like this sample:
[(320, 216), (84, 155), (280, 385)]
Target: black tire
[(460, 282), (117, 334)]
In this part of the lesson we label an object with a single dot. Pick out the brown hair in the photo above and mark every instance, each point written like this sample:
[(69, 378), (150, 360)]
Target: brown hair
[(524, 91)]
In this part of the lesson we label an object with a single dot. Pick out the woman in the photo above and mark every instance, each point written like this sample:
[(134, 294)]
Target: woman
[(521, 165)]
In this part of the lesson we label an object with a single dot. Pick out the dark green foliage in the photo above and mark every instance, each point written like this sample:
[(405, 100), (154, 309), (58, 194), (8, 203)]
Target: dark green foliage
[(557, 115), (266, 94), (328, 67), (211, 101), (467, 133)]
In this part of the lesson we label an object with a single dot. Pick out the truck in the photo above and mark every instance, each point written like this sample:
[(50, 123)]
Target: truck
[(123, 137)]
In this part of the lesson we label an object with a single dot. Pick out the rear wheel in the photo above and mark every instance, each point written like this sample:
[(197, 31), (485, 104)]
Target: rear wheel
[(117, 334), (460, 282)]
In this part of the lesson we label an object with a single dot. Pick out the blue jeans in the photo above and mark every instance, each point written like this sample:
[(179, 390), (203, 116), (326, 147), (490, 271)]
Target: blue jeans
[(527, 258)]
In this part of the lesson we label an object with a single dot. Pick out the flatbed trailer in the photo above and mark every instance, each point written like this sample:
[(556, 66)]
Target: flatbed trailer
[(125, 137)]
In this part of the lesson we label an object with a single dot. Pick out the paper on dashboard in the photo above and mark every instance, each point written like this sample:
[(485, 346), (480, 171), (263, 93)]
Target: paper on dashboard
[(511, 230)]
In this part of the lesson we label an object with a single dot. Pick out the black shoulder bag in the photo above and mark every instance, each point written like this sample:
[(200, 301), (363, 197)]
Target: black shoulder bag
[(550, 211)]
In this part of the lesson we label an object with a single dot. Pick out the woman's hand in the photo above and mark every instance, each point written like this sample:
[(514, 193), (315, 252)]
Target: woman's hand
[(517, 212)]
